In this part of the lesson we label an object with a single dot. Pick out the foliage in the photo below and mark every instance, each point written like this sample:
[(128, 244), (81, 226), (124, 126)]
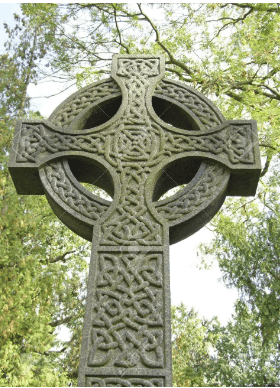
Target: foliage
[(193, 340), (206, 354), (246, 246), (247, 249), (42, 265), (241, 360), (230, 52)]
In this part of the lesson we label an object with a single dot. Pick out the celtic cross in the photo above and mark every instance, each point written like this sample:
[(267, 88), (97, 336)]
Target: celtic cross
[(136, 136)]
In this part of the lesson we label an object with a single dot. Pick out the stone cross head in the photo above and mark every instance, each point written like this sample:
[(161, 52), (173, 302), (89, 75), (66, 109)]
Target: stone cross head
[(134, 135)]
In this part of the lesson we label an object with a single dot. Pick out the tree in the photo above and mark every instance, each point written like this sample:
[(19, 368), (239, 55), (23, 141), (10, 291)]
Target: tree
[(42, 266), (247, 249), (206, 354), (240, 358), (193, 341)]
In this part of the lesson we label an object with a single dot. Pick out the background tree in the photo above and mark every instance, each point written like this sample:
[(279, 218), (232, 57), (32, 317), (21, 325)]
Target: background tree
[(193, 345), (248, 252), (241, 359), (42, 266)]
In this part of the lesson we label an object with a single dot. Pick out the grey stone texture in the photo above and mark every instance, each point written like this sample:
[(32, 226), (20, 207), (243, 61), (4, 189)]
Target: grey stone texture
[(135, 135)]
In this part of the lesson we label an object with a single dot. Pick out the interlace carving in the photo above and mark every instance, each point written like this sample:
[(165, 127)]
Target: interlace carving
[(173, 90), (123, 382), (135, 151), (126, 337), (124, 144), (192, 100), (128, 311), (63, 116), (39, 141), (234, 143), (72, 196), (132, 146), (131, 223)]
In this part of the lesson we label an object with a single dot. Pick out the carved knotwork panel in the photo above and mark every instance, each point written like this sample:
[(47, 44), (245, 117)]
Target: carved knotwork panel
[(133, 153), (234, 143), (181, 93), (81, 100), (128, 311), (131, 222), (124, 382), (124, 143)]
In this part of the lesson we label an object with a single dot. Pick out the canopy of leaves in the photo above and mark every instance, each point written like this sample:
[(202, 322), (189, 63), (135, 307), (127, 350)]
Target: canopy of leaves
[(205, 354), (247, 249), (240, 358), (193, 341), (42, 264)]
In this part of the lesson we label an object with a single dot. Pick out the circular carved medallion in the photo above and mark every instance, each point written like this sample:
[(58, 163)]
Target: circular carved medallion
[(175, 104)]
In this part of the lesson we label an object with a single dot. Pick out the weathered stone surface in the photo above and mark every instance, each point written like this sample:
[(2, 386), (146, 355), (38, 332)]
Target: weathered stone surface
[(135, 136)]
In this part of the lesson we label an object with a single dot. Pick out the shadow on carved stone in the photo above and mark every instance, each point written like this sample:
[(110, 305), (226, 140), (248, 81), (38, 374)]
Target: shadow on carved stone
[(103, 112), (88, 171), (176, 173), (173, 114), (169, 193)]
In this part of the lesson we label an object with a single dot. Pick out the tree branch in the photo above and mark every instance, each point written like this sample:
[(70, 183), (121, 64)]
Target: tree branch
[(61, 257), (61, 321), (56, 94), (158, 41), (266, 166), (233, 22), (244, 206), (235, 96), (272, 96), (170, 70), (272, 90), (55, 351), (268, 146), (256, 8), (119, 33)]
